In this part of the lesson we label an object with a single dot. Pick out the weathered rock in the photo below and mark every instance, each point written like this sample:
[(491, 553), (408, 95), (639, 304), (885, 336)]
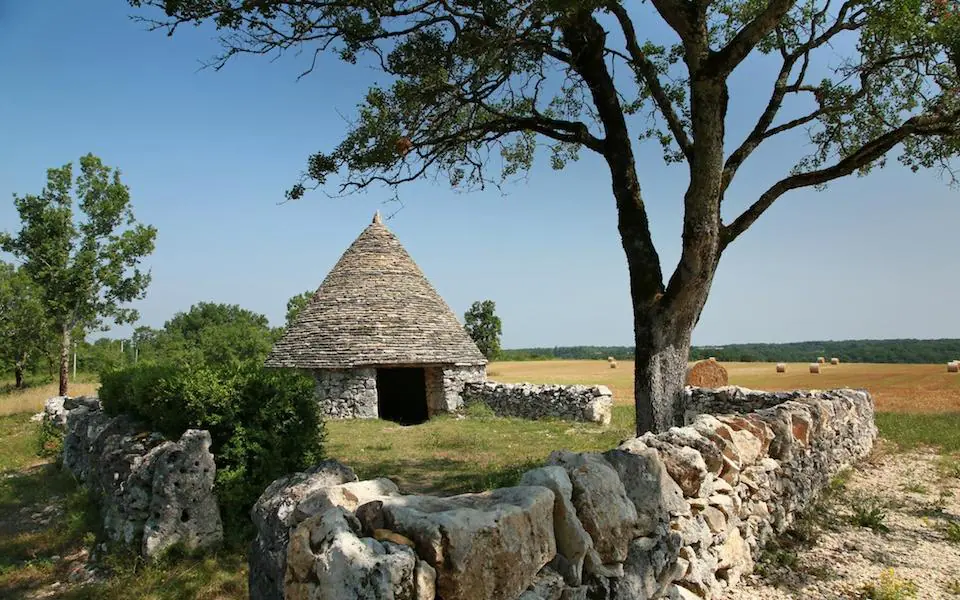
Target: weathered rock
[(573, 541), (425, 581), (483, 546), (54, 411), (274, 514), (734, 558), (652, 563), (602, 503), (685, 466), (348, 495), (346, 566), (183, 508), (548, 586), (656, 496)]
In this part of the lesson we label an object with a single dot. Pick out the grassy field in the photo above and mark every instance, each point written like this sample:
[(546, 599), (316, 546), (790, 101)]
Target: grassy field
[(895, 387), (31, 399)]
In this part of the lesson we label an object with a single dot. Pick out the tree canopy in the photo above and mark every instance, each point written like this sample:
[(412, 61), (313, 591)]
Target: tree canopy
[(295, 304), (484, 327), (469, 82), (211, 334), (24, 327)]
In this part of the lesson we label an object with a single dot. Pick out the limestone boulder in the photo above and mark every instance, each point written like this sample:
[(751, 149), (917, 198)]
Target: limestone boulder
[(274, 514), (573, 541), (654, 494), (549, 585), (487, 546), (734, 558), (347, 495), (652, 564), (328, 560), (54, 412), (183, 507), (601, 501)]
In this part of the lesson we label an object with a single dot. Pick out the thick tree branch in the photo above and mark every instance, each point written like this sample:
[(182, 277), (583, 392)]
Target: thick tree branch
[(677, 15), (727, 58), (648, 73), (920, 125), (761, 130)]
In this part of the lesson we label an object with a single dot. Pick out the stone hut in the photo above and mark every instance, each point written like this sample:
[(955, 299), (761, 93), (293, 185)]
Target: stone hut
[(379, 339)]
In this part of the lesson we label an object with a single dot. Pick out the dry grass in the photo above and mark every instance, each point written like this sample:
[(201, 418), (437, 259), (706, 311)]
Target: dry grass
[(895, 387), (31, 399)]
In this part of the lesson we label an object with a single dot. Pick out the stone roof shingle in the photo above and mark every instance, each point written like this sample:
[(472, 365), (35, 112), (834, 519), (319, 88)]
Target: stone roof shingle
[(375, 307)]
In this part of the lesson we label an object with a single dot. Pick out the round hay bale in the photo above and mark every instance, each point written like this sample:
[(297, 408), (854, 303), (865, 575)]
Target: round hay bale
[(815, 367), (834, 361), (707, 374), (821, 360), (713, 359), (611, 359), (781, 367), (613, 364), (953, 367)]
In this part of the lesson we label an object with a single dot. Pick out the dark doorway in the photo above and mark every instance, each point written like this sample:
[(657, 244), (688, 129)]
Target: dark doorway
[(402, 395)]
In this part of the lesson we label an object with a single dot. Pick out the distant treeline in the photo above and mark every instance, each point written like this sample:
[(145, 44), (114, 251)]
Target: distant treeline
[(860, 351)]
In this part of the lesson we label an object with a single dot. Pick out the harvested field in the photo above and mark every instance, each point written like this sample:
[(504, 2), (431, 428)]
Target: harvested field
[(896, 387)]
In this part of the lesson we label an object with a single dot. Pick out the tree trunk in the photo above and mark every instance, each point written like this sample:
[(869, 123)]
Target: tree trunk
[(64, 361), (18, 373), (660, 371)]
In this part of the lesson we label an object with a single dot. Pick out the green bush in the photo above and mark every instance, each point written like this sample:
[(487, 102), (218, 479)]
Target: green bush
[(49, 440), (263, 423)]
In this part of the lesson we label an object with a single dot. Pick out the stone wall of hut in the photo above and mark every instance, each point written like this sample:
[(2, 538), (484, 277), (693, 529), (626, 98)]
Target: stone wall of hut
[(352, 393)]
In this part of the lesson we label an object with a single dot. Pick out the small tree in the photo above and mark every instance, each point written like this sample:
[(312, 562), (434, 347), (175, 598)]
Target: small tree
[(484, 327), (86, 268), (847, 81), (296, 304), (24, 327)]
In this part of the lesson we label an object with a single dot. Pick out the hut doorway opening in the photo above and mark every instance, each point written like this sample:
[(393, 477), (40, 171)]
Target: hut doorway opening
[(402, 395)]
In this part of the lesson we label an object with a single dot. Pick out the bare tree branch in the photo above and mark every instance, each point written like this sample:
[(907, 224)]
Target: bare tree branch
[(921, 125)]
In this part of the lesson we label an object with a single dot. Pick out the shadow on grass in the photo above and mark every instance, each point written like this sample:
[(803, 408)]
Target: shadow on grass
[(443, 476), (43, 515)]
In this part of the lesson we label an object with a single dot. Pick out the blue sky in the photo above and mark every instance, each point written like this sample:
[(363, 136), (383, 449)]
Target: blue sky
[(207, 156)]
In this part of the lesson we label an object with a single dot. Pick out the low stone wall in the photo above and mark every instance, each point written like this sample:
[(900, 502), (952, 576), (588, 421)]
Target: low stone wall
[(681, 514), (528, 401), (153, 493)]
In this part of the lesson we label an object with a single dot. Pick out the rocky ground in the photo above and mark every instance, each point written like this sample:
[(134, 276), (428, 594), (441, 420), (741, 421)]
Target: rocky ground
[(891, 532)]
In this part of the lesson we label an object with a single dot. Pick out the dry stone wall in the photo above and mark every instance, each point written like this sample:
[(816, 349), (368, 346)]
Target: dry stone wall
[(352, 393), (528, 401), (347, 393), (153, 492), (681, 514)]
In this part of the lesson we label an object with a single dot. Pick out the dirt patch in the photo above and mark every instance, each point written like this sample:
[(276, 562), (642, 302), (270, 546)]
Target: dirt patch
[(912, 504)]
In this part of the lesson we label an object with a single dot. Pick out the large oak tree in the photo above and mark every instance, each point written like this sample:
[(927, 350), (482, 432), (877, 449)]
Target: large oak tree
[(467, 77)]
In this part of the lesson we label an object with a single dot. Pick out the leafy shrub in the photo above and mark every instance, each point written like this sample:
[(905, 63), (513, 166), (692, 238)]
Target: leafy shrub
[(869, 513), (263, 423), (952, 531), (49, 440), (890, 587)]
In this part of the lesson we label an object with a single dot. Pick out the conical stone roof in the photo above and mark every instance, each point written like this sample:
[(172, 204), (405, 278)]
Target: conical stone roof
[(375, 307)]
